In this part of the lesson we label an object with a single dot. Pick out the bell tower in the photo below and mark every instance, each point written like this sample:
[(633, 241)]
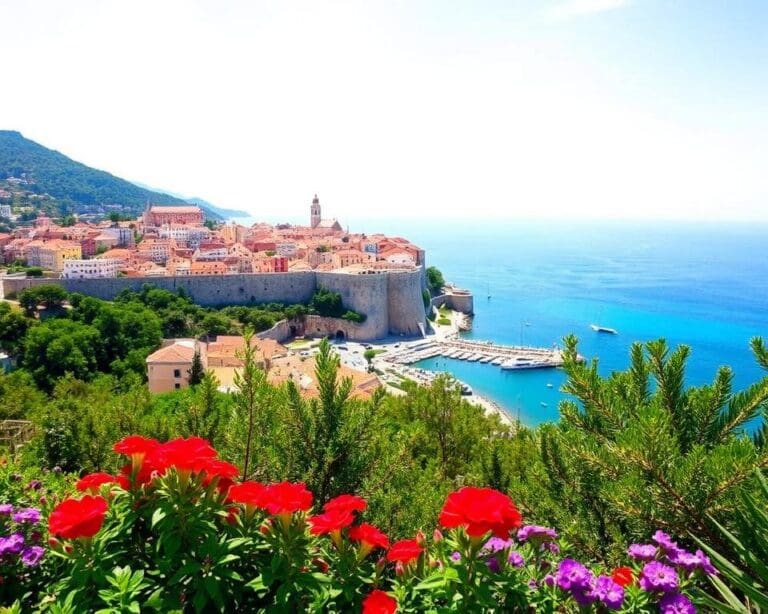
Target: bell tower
[(314, 212)]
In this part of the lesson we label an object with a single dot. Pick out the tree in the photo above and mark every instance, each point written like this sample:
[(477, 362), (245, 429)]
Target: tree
[(369, 355), (637, 450), (13, 328), (327, 303), (196, 371), (435, 280), (206, 412), (48, 295)]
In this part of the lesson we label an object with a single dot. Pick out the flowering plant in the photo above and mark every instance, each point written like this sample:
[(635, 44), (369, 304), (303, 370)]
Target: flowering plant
[(21, 549), (174, 531)]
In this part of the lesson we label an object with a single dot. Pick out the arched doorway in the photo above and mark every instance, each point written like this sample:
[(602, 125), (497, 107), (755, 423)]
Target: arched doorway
[(340, 335)]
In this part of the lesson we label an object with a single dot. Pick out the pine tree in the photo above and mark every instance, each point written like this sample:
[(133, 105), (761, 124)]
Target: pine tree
[(639, 451), (196, 371)]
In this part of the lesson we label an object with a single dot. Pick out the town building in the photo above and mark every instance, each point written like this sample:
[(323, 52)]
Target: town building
[(54, 253), (168, 368), (156, 216), (93, 268)]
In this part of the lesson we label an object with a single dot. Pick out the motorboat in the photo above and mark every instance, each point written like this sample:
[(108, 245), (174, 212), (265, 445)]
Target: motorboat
[(525, 362), (603, 329)]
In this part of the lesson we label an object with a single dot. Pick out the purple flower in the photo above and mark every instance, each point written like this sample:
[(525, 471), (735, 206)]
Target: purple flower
[(609, 592), (674, 603), (31, 556), (35, 485), (495, 544), (552, 547), (493, 564), (642, 552), (29, 514), (515, 559), (684, 559), (584, 596), (572, 575), (665, 541), (455, 557), (657, 576), (13, 544), (533, 585), (549, 580), (536, 534), (6, 509), (705, 564)]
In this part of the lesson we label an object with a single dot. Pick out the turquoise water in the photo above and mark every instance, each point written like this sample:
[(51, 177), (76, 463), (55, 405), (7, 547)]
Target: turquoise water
[(698, 284)]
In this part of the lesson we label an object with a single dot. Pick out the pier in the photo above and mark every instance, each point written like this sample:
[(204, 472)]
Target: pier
[(484, 352)]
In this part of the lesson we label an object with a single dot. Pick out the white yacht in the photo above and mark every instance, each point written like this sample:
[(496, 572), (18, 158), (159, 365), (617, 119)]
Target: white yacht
[(525, 362), (603, 329)]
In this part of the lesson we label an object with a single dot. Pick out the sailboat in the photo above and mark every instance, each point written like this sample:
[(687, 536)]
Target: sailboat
[(489, 291)]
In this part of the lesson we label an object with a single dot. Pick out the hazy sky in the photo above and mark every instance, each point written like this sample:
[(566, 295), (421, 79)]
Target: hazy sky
[(533, 108)]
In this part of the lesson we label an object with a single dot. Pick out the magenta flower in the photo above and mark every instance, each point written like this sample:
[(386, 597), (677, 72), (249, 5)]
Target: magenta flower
[(515, 559), (675, 603), (31, 556), (572, 575), (549, 580), (495, 544), (665, 541), (27, 515), (455, 557), (13, 544), (609, 592), (536, 534), (642, 552), (6, 509), (657, 576), (493, 564), (705, 564)]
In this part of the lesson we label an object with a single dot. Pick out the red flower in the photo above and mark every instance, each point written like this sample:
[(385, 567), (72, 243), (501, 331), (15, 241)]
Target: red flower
[(480, 510), (248, 493), (73, 518), (92, 482), (404, 551), (215, 468), (378, 602), (623, 576), (285, 498), (136, 447), (330, 522), (184, 454), (369, 537), (347, 503)]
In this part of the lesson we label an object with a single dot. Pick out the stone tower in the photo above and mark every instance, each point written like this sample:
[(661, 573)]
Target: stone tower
[(314, 211)]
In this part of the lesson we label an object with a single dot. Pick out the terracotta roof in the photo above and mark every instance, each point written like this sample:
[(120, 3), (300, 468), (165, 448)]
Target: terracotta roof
[(173, 209), (175, 353)]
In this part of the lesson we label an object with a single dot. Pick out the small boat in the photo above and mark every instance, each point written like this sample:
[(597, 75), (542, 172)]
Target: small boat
[(549, 385), (603, 329), (543, 404)]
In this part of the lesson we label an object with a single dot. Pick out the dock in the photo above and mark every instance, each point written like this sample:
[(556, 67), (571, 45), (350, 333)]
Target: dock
[(484, 352)]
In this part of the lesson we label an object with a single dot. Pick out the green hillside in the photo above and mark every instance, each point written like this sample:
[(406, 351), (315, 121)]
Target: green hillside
[(50, 182)]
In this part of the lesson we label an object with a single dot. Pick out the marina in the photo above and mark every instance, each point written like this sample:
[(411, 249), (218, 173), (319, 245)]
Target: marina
[(507, 357)]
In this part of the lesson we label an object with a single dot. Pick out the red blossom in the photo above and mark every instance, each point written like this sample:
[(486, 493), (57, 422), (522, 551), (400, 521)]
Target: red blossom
[(248, 493), (623, 576), (330, 522), (74, 518), (404, 551), (215, 468), (369, 537), (183, 454), (347, 503), (92, 482), (285, 498), (135, 444), (378, 602), (480, 510)]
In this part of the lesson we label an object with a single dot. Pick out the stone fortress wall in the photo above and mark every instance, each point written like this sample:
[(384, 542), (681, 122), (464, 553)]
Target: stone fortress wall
[(391, 301)]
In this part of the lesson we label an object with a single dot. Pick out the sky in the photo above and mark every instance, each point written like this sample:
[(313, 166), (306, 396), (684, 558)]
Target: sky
[(406, 108)]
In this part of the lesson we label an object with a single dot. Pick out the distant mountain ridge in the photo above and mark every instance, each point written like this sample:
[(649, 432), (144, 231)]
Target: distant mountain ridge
[(76, 187)]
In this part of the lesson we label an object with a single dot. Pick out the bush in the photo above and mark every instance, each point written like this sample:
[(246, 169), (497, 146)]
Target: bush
[(173, 532), (444, 321), (353, 316)]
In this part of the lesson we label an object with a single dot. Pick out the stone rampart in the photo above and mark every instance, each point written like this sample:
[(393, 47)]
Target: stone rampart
[(391, 300), (14, 285), (463, 302)]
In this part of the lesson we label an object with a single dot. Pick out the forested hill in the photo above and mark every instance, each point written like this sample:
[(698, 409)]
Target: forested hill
[(35, 171)]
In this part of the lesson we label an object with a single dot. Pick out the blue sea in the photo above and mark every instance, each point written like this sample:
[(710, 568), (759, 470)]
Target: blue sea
[(704, 285)]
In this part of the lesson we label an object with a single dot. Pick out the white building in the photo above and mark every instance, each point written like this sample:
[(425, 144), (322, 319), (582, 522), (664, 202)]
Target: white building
[(5, 211), (91, 269)]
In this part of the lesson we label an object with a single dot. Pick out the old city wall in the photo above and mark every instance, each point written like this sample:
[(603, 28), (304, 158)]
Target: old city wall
[(463, 303), (391, 301), (211, 290), (14, 285)]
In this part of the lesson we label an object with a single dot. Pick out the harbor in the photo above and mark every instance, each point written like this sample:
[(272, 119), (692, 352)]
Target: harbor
[(506, 357)]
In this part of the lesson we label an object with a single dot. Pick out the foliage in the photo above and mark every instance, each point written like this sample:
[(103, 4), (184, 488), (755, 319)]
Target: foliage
[(13, 328), (640, 450), (327, 303), (743, 587), (196, 371), (444, 321), (48, 295), (435, 280), (353, 316), (173, 532)]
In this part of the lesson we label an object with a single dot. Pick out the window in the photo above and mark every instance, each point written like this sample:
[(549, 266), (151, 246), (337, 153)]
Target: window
[(177, 373), (177, 386)]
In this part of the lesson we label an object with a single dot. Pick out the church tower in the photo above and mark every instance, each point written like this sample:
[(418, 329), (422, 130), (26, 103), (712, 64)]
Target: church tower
[(314, 211)]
